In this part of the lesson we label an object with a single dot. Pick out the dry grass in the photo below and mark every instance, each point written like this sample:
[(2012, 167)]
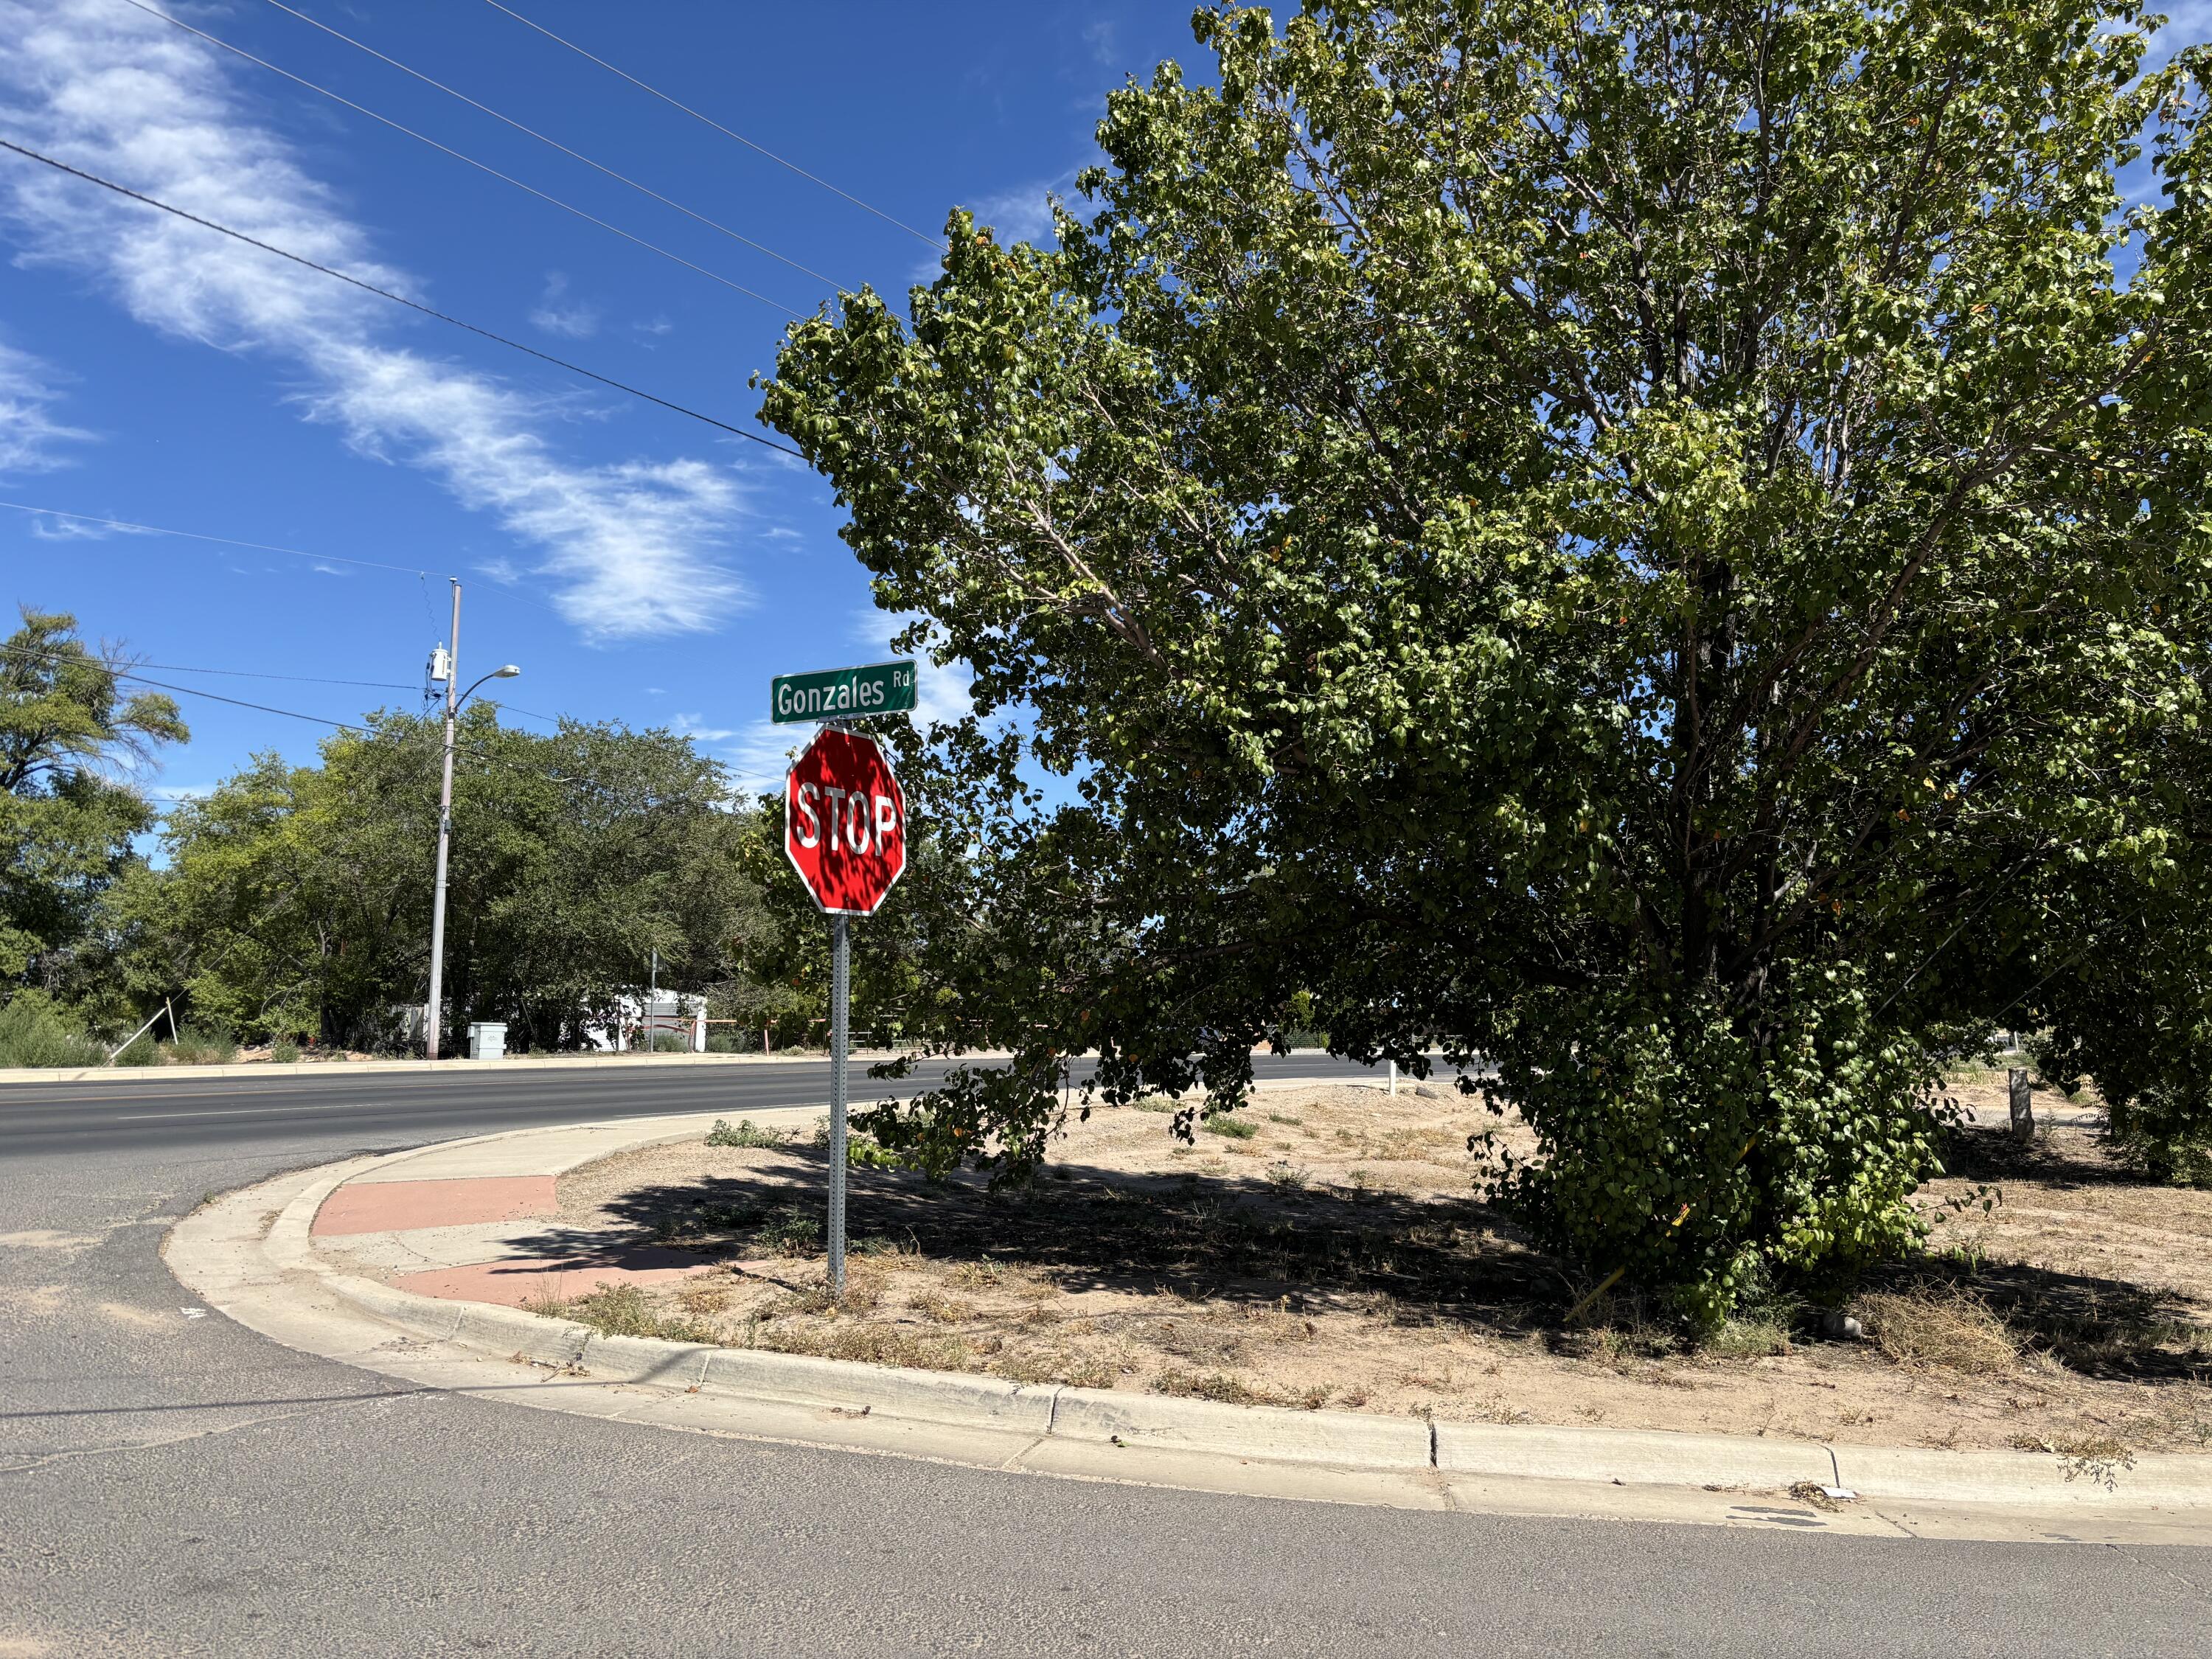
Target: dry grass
[(1380, 1281), (1950, 1328)]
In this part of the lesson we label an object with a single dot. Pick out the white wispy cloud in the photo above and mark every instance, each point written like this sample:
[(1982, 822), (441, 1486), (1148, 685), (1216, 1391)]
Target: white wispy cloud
[(31, 439), (1100, 38), (695, 726), (630, 550), (572, 320)]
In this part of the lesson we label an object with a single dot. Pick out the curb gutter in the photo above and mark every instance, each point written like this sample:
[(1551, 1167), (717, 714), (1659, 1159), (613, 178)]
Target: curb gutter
[(2172, 1492)]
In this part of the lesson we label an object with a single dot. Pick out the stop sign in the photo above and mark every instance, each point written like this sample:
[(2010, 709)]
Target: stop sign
[(844, 823)]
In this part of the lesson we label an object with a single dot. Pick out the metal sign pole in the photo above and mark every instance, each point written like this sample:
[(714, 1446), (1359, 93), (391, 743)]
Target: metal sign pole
[(841, 968)]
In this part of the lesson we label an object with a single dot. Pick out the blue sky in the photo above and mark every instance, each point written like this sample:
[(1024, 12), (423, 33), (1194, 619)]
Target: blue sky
[(636, 564)]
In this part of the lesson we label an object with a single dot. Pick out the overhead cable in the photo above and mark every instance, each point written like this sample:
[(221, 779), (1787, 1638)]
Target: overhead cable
[(532, 132), (398, 298), (709, 120), (481, 166), (225, 541)]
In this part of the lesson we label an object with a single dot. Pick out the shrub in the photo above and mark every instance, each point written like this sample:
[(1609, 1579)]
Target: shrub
[(196, 1046), (284, 1051), (33, 1032), (671, 1042), (744, 1134)]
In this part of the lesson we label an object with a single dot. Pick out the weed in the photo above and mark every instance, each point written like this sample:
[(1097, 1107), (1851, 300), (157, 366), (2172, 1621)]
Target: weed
[(2100, 1458), (1224, 1386), (1236, 1128), (621, 1310), (1946, 1327), (1751, 1335), (743, 1135), (700, 1300), (1154, 1102), (1287, 1178), (861, 1296), (977, 1275), (878, 1345), (1284, 1117), (790, 1229), (944, 1309)]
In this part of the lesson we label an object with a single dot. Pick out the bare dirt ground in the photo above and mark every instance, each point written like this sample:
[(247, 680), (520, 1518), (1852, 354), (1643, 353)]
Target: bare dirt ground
[(1335, 1253)]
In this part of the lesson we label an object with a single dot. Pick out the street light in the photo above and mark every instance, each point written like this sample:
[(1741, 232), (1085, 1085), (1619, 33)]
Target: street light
[(433, 1013)]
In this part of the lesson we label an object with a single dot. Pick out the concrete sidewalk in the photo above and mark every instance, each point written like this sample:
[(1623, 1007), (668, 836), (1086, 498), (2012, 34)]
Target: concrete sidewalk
[(418, 1264)]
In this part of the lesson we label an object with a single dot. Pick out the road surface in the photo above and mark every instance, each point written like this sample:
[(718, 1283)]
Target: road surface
[(172, 1484)]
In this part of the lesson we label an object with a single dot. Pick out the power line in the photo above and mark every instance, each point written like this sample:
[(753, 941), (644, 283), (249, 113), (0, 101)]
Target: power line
[(227, 541), (620, 177), (235, 702), (398, 298), (481, 166), (114, 671), (296, 679), (710, 121)]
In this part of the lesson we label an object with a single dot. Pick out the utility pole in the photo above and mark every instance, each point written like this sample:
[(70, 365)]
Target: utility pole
[(454, 698), (432, 1014)]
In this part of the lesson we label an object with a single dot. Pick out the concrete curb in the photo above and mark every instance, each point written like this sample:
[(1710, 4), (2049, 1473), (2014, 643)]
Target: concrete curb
[(2170, 1489)]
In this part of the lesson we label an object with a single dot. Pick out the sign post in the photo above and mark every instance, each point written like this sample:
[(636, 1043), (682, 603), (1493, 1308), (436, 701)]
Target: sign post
[(844, 831)]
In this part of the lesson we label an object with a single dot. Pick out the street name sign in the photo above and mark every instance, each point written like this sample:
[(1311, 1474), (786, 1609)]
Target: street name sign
[(844, 823), (844, 831), (842, 694)]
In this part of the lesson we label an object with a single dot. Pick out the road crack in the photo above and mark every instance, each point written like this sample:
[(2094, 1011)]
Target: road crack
[(126, 1448)]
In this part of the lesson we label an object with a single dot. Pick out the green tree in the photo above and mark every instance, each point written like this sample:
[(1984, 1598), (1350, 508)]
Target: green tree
[(297, 900), (70, 739), (1659, 546)]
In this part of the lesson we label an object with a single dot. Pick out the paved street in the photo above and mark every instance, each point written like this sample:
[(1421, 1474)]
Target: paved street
[(172, 1484)]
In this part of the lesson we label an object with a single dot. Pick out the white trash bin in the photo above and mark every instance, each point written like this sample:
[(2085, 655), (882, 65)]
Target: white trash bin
[(488, 1041)]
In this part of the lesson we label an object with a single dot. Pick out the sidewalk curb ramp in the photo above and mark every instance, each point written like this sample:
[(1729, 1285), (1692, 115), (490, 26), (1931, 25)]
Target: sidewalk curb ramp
[(247, 1260)]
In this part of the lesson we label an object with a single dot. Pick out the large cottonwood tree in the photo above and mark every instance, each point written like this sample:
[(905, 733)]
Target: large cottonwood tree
[(1661, 544)]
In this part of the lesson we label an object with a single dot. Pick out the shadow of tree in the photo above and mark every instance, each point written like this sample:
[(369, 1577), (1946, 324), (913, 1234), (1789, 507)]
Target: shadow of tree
[(1247, 1241), (2106, 1328), (1239, 1240)]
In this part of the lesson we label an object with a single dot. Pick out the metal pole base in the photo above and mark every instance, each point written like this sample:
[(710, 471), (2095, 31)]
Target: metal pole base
[(841, 968)]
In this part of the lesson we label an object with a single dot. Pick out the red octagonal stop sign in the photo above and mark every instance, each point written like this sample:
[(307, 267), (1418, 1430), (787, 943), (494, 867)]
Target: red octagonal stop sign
[(844, 823)]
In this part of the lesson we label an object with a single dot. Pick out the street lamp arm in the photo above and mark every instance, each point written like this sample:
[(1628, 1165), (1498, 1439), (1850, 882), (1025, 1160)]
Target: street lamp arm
[(508, 673)]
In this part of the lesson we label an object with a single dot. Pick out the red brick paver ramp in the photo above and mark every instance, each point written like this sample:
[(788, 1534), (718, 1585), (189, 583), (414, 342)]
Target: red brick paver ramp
[(384, 1207)]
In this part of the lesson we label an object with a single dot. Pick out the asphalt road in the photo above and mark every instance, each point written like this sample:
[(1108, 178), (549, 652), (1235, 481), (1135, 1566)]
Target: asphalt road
[(172, 1484)]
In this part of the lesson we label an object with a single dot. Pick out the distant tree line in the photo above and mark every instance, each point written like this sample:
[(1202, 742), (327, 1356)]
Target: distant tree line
[(292, 902)]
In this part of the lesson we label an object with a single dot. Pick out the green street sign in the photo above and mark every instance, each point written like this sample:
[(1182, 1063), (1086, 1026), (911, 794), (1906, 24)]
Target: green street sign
[(842, 694)]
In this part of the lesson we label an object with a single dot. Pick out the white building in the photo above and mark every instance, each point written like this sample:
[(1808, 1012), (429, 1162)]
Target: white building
[(639, 1019)]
